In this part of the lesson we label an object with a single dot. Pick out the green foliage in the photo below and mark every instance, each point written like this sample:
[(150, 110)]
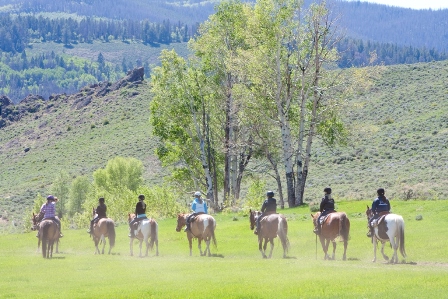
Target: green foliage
[(80, 188), (256, 194), (61, 189), (119, 173)]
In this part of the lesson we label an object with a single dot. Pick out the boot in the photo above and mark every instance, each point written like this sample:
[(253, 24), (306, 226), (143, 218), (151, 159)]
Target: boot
[(255, 231), (370, 232), (187, 228), (317, 230)]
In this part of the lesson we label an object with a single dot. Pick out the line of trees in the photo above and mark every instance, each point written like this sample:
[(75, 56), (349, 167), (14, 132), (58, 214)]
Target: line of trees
[(261, 87), (16, 32)]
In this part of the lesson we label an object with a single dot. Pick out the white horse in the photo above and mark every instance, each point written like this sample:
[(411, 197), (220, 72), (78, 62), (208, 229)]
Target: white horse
[(147, 231), (390, 228)]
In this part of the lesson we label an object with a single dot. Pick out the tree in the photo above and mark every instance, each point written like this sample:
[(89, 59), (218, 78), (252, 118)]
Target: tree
[(79, 189), (60, 189), (119, 173)]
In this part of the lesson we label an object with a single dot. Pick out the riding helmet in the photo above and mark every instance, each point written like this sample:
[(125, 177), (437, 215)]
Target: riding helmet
[(197, 193), (380, 191), (270, 194), (327, 190), (141, 196), (101, 199), (50, 197)]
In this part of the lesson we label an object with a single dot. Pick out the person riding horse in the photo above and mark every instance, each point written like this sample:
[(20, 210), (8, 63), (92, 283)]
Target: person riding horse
[(269, 207), (379, 206), (198, 206), (100, 213), (48, 211), (140, 214), (326, 207)]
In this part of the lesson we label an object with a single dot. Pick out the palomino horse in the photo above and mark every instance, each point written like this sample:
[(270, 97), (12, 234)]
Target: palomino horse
[(146, 230), (390, 228), (105, 227), (202, 228), (271, 226), (335, 225), (35, 227)]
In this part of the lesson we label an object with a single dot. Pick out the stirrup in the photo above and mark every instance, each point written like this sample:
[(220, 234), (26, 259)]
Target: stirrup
[(255, 232), (186, 229), (369, 234), (316, 231), (60, 235)]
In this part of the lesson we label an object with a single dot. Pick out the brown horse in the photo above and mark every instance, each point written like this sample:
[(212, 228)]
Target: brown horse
[(147, 230), (35, 226), (49, 232), (335, 225), (105, 227), (202, 228), (271, 226)]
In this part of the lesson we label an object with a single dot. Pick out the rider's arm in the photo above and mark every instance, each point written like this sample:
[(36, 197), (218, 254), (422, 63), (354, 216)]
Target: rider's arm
[(205, 208), (193, 206)]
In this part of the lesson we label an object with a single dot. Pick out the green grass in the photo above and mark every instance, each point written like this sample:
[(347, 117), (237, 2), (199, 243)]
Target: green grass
[(236, 270)]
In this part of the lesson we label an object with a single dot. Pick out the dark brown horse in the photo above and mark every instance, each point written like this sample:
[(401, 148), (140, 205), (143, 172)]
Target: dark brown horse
[(271, 226), (335, 225), (104, 228), (35, 226), (202, 228), (146, 230)]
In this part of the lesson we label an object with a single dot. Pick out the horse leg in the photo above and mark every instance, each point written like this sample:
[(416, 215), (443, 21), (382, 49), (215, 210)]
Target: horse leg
[(156, 242), (207, 242), (375, 245), (334, 250), (147, 245), (394, 246), (140, 245), (382, 251), (271, 240), (57, 245), (200, 247), (131, 246), (103, 239), (344, 257), (190, 245), (324, 244)]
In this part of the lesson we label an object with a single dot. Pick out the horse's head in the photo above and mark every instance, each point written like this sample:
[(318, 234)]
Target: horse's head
[(181, 221), (35, 220), (253, 216), (130, 217), (315, 217), (369, 212)]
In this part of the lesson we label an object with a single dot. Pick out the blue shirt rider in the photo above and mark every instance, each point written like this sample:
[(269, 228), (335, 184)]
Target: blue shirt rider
[(380, 205), (140, 213), (326, 207), (269, 207), (198, 206)]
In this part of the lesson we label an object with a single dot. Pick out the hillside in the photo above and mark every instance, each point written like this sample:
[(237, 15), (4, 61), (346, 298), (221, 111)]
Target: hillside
[(400, 129)]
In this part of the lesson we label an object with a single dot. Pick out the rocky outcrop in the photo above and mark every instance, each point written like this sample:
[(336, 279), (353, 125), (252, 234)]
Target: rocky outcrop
[(34, 103)]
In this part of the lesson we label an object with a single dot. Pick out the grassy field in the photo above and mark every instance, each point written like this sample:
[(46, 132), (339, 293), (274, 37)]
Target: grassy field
[(236, 269)]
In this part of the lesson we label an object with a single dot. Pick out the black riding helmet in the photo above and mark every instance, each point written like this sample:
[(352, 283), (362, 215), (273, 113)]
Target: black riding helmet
[(380, 191), (141, 196), (101, 199), (270, 194), (327, 190)]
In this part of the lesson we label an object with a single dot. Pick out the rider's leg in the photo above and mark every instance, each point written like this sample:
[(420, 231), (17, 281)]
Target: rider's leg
[(132, 234)]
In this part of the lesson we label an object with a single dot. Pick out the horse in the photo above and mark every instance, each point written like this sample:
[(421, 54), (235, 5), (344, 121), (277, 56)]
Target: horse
[(105, 227), (335, 225), (271, 226), (390, 228), (202, 227), (35, 226), (146, 230)]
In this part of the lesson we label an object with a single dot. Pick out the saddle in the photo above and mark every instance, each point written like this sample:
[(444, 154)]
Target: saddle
[(380, 219), (323, 218)]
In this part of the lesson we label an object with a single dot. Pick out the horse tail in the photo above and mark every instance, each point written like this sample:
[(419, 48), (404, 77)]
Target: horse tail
[(44, 239), (154, 233), (344, 227), (111, 233), (401, 237), (215, 244), (283, 233)]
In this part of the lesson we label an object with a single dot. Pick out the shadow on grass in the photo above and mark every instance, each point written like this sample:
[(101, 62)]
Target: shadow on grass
[(58, 258), (353, 259), (217, 255), (290, 258)]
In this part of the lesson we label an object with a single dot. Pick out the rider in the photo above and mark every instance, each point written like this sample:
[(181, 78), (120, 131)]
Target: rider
[(198, 206), (100, 213), (269, 207), (379, 205), (140, 213), (326, 207), (48, 211)]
